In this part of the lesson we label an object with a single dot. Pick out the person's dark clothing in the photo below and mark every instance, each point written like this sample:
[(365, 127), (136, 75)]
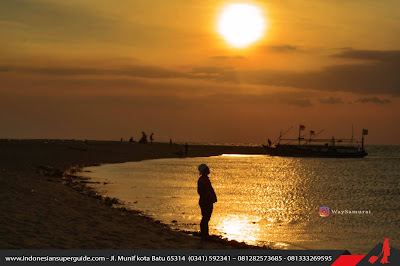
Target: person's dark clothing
[(206, 202), (206, 211), (205, 190)]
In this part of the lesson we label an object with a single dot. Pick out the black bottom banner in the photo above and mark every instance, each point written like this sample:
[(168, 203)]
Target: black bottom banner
[(172, 257)]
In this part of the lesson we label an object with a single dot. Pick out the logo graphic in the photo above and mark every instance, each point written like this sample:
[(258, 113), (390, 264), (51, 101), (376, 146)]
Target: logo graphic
[(323, 211), (385, 252)]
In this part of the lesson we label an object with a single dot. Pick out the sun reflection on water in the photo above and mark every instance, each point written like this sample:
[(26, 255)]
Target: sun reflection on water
[(240, 155), (240, 228), (262, 200)]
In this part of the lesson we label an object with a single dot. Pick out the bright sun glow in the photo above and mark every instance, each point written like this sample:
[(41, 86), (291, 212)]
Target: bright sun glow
[(241, 24)]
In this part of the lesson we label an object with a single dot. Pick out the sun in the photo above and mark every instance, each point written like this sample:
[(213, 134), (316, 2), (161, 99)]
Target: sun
[(241, 24)]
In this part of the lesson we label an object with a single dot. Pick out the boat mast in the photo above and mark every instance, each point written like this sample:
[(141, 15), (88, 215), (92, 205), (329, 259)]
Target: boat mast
[(364, 132), (299, 134), (281, 135), (351, 142), (362, 142), (301, 127), (315, 135)]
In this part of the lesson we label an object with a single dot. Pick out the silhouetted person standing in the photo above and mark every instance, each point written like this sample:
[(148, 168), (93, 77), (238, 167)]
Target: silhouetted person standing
[(207, 199), (151, 137), (186, 149), (170, 142), (144, 138)]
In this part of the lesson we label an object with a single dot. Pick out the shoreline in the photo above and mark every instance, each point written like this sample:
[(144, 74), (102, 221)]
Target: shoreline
[(82, 185), (45, 213)]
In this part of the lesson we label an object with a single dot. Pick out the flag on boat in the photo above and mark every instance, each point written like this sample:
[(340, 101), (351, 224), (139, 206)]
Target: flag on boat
[(312, 132), (365, 132), (302, 127)]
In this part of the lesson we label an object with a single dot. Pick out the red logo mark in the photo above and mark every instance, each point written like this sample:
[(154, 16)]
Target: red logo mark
[(385, 252)]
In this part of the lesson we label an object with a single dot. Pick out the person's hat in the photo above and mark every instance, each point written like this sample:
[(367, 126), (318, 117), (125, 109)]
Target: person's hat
[(202, 167)]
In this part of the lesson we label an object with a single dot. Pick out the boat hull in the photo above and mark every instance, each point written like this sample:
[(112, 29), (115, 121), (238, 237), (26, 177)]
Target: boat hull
[(315, 151)]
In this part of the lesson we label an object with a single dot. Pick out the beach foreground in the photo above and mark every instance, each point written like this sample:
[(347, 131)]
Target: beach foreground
[(39, 211)]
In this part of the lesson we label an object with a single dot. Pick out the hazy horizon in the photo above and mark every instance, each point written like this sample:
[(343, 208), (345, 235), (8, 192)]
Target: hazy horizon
[(167, 141), (105, 70)]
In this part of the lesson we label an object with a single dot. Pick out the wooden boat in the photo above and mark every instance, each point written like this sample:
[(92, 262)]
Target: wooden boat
[(309, 147)]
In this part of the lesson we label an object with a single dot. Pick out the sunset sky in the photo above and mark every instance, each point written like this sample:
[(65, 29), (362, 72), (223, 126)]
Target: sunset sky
[(99, 69)]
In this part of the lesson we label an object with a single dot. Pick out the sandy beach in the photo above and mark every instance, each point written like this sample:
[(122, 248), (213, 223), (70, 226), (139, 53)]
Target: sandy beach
[(39, 211)]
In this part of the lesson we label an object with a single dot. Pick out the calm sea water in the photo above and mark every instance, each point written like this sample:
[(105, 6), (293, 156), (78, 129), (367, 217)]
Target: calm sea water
[(270, 200)]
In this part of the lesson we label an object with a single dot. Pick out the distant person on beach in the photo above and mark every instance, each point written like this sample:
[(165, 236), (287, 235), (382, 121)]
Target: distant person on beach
[(131, 139), (144, 138), (170, 142), (207, 199), (122, 140), (151, 137), (186, 149)]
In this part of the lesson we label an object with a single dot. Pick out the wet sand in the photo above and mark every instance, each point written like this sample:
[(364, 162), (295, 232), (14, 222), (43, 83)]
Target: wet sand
[(43, 207)]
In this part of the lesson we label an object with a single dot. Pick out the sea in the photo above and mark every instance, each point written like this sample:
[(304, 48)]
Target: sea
[(279, 202)]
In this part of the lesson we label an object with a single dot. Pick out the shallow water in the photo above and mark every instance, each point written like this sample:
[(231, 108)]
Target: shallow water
[(267, 200)]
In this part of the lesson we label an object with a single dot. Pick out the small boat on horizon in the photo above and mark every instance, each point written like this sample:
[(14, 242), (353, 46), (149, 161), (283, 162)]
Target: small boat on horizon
[(310, 147)]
